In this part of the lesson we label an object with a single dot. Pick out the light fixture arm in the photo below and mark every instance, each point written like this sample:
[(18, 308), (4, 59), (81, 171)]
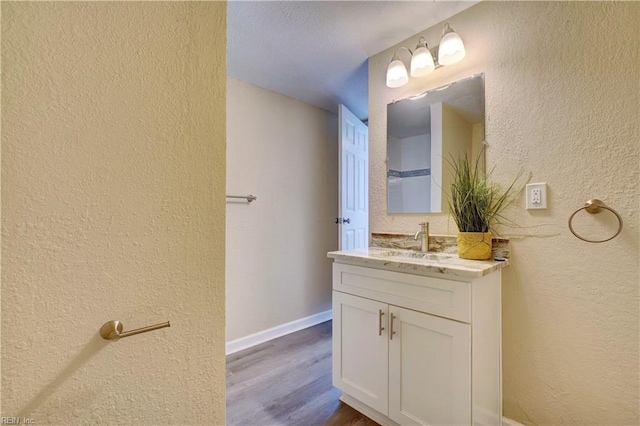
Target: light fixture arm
[(447, 29), (422, 42), (434, 53), (395, 53)]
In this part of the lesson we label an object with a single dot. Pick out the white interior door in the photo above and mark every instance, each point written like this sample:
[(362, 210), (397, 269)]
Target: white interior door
[(353, 220)]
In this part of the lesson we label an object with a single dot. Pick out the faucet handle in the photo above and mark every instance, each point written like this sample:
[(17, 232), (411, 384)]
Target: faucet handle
[(425, 228), (424, 232)]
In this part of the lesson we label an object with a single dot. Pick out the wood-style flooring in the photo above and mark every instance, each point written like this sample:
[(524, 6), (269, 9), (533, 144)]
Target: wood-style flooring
[(287, 382)]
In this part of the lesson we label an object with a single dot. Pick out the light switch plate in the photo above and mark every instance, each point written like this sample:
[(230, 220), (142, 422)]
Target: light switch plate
[(536, 196)]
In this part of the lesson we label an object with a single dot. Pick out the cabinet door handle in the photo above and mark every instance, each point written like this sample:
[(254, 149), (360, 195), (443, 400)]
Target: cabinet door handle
[(391, 332), (380, 327)]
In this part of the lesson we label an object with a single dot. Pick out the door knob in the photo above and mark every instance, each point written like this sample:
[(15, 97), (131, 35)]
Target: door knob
[(346, 220)]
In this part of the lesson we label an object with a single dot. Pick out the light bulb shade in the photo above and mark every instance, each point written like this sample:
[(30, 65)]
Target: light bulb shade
[(397, 74), (422, 62), (451, 49)]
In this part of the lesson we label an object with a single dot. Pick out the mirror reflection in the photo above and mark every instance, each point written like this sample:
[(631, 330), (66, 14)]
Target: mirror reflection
[(422, 131)]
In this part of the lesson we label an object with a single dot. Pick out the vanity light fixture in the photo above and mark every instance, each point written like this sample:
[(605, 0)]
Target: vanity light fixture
[(422, 60), (450, 51), (451, 47), (396, 71)]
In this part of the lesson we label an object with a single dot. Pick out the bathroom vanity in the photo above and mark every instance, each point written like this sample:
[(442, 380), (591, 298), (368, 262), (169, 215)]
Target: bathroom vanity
[(417, 337)]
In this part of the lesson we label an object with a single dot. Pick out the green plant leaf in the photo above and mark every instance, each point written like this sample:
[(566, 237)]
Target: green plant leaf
[(475, 202)]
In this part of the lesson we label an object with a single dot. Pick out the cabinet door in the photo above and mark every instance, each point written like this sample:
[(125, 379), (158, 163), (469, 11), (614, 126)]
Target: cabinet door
[(429, 370), (360, 349)]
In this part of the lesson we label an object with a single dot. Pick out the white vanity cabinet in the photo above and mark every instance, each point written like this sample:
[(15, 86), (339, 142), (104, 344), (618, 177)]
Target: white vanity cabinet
[(417, 348)]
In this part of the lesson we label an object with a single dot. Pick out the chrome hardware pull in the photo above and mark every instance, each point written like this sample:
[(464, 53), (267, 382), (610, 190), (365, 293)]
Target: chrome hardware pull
[(112, 330), (391, 332), (380, 327)]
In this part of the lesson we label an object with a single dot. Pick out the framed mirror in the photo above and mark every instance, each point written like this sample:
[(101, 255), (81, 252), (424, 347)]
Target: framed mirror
[(423, 132)]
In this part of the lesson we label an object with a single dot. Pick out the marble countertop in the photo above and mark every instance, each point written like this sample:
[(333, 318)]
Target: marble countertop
[(416, 262)]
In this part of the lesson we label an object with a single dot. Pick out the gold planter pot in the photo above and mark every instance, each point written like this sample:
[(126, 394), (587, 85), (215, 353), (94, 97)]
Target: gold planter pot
[(474, 245)]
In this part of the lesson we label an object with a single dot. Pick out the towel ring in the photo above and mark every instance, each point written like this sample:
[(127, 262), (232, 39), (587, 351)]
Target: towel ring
[(595, 206)]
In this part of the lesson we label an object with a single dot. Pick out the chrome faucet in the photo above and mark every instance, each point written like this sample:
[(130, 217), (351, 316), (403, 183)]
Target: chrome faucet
[(424, 234)]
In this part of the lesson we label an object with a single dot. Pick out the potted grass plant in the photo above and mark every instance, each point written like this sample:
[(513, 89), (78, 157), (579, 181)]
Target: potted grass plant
[(476, 204)]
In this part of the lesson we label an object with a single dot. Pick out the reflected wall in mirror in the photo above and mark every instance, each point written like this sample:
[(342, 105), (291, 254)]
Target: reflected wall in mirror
[(423, 130)]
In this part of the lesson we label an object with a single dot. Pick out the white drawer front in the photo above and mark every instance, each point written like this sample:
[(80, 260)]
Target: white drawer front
[(445, 298)]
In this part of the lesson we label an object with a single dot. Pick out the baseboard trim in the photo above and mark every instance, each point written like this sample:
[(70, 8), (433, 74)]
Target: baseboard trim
[(275, 332), (509, 422)]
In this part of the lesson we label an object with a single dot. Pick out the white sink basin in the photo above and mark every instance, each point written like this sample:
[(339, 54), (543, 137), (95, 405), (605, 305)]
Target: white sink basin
[(408, 254)]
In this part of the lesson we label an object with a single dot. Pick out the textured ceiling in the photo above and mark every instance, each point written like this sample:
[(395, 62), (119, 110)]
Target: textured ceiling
[(316, 51)]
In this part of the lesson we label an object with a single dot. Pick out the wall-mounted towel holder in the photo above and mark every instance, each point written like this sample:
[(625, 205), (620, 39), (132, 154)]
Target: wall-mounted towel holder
[(249, 197), (112, 330), (595, 206)]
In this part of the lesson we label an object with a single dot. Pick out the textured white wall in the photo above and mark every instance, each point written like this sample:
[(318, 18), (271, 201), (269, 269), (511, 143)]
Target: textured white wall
[(113, 180), (562, 98), (285, 152)]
